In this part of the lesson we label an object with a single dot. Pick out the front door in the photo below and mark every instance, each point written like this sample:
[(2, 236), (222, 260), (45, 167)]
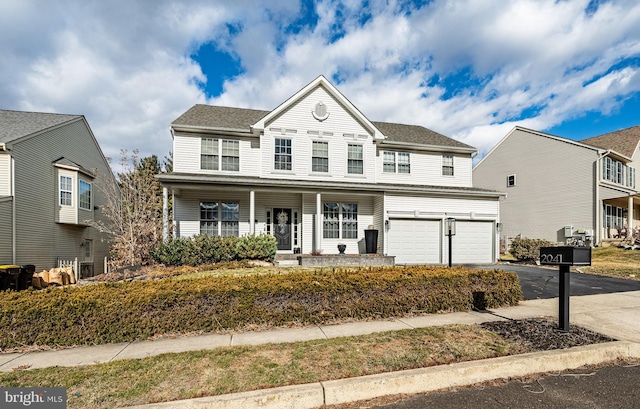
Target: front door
[(282, 228)]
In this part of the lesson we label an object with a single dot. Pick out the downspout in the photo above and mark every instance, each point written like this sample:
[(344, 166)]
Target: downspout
[(13, 211), (599, 225)]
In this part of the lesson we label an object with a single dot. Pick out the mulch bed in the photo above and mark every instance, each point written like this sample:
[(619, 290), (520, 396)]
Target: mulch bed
[(543, 334)]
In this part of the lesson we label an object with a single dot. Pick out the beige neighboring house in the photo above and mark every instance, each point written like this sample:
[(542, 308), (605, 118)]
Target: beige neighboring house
[(315, 172), (564, 190), (48, 197)]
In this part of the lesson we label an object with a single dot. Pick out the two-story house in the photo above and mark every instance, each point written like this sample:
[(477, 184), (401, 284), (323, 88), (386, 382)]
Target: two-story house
[(558, 188), (315, 172), (48, 198)]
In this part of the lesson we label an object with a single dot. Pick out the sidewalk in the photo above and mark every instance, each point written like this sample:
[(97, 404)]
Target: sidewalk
[(616, 315)]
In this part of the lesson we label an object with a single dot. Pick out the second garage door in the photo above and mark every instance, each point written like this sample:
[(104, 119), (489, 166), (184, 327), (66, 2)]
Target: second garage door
[(414, 241), (473, 242)]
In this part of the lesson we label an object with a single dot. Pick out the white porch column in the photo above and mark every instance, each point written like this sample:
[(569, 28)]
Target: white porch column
[(252, 212), (165, 215), (318, 246), (630, 214)]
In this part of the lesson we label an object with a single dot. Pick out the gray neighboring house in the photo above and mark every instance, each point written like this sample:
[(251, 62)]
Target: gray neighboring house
[(316, 173), (559, 188), (48, 197)]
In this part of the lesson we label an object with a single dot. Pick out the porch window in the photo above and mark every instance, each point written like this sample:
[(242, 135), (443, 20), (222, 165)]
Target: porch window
[(355, 159), (320, 157), (210, 158), (220, 218), (283, 157), (66, 191), (340, 221), (447, 165), (85, 195)]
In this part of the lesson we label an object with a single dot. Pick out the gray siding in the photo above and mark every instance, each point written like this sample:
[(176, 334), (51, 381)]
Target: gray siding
[(554, 184), (40, 240), (5, 232)]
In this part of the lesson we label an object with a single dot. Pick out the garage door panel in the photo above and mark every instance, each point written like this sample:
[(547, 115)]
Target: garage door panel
[(473, 242), (414, 241)]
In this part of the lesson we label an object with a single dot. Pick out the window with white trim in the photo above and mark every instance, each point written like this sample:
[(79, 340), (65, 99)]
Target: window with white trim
[(404, 163), (447, 165), (340, 221), (219, 154), (283, 154), (355, 159), (618, 172), (388, 162), (320, 156), (84, 191), (66, 191), (220, 218), (511, 180)]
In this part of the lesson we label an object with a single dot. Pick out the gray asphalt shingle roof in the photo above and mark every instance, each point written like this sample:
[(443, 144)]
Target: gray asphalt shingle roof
[(228, 118), (624, 141), (16, 124)]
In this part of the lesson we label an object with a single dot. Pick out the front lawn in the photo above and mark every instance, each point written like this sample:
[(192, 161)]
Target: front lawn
[(614, 262)]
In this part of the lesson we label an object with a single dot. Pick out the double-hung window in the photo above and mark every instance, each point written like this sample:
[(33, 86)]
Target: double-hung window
[(340, 221), (85, 195), (220, 218), (66, 191), (447, 165), (219, 154), (355, 159), (320, 156), (283, 154), (389, 164)]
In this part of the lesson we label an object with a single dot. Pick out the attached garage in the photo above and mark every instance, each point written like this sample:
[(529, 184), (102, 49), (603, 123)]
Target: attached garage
[(473, 242), (415, 241)]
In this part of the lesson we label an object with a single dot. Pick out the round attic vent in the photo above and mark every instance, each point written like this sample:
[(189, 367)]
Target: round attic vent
[(320, 112)]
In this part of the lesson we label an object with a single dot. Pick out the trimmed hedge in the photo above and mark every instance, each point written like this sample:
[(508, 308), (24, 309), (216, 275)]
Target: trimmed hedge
[(207, 249), (525, 249), (120, 312)]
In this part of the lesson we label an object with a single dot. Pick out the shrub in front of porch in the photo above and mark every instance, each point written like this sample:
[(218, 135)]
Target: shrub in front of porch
[(207, 249), (525, 249), (121, 312)]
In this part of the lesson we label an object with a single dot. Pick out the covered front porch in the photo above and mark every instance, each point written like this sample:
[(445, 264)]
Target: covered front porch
[(621, 218)]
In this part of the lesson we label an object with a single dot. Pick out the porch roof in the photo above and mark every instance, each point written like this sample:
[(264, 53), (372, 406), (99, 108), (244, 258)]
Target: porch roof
[(198, 181)]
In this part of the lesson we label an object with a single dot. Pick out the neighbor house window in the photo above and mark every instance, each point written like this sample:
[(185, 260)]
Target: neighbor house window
[(85, 195), (210, 158), (447, 165), (283, 157), (320, 157), (340, 221), (511, 180), (355, 160), (220, 218), (66, 191)]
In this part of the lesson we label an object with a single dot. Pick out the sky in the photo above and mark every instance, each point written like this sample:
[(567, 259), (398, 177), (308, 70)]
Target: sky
[(469, 69)]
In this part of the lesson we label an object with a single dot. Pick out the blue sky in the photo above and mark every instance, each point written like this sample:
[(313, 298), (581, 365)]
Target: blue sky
[(469, 69)]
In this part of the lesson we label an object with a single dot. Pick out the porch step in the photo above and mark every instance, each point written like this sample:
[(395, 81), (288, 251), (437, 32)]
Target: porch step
[(286, 260)]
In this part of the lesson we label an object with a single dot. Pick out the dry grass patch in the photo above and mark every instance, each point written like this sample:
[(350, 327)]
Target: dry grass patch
[(177, 376), (614, 262)]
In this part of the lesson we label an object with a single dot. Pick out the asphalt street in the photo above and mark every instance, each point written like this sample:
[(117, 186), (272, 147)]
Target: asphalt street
[(604, 388), (542, 282)]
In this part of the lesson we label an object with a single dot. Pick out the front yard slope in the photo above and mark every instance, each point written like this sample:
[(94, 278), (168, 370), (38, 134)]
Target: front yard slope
[(127, 311)]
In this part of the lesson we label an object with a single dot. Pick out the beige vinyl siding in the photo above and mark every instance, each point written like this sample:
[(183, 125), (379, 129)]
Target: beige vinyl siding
[(6, 247), (5, 174), (186, 155), (40, 240), (554, 184), (426, 169), (339, 130)]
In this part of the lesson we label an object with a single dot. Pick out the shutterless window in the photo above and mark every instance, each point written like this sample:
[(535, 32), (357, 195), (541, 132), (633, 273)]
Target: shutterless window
[(220, 219), (283, 154), (340, 221), (66, 191), (389, 162), (230, 155), (209, 218), (511, 180), (230, 219), (447, 165), (349, 221), (404, 164), (331, 223), (85, 195), (355, 160), (209, 154), (320, 157)]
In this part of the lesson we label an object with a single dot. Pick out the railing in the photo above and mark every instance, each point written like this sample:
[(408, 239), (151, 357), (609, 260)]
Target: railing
[(70, 263)]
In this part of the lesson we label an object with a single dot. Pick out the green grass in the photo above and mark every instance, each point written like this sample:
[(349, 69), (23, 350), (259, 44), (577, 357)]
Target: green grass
[(225, 370)]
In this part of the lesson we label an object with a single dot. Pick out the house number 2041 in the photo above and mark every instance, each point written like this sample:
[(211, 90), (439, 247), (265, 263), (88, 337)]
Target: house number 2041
[(551, 258)]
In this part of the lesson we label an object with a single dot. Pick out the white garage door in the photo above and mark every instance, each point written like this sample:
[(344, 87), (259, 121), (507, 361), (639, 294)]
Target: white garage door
[(473, 242), (414, 241)]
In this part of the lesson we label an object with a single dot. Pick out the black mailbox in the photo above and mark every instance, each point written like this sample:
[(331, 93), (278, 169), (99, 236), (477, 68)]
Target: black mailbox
[(565, 256)]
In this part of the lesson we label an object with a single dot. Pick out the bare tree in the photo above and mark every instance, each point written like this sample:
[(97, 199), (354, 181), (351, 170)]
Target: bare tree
[(132, 211)]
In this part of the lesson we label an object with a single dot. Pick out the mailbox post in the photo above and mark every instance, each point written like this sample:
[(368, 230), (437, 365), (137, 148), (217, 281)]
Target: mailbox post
[(564, 257)]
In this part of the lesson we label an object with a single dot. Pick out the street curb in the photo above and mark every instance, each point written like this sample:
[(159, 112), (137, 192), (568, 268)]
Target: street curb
[(315, 395)]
